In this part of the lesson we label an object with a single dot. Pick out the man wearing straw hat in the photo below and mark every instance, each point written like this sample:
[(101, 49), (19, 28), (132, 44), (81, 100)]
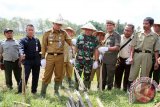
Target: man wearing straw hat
[(100, 35), (68, 68), (53, 48), (156, 73), (86, 45)]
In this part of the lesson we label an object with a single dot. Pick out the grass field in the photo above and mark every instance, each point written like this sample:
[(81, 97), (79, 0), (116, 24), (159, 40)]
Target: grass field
[(114, 98)]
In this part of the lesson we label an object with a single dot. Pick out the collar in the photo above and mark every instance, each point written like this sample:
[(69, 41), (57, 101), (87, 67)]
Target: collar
[(150, 34), (30, 38), (123, 36), (10, 40), (55, 31)]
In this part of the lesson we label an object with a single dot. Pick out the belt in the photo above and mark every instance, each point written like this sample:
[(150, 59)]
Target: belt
[(55, 54), (144, 51), (122, 58)]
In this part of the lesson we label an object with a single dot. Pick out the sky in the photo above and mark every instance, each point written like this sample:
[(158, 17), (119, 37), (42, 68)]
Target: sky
[(81, 11)]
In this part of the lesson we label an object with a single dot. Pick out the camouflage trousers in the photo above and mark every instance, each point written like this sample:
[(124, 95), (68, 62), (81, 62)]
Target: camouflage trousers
[(84, 66)]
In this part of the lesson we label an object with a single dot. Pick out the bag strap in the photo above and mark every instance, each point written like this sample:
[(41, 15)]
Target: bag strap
[(126, 43)]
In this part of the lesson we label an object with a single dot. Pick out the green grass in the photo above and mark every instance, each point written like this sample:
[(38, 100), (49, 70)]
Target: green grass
[(114, 98)]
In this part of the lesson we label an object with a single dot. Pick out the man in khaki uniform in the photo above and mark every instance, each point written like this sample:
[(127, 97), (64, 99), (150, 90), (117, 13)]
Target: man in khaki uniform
[(68, 68), (100, 35), (53, 45), (143, 45)]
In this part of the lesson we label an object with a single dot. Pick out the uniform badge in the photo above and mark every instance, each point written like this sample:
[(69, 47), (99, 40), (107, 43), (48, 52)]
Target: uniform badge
[(50, 42)]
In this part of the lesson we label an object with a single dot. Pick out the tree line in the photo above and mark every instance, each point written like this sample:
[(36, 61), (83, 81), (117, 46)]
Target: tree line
[(18, 24)]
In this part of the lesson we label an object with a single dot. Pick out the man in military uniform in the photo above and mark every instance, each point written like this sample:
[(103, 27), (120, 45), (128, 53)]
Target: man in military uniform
[(110, 51), (30, 49), (68, 68), (86, 45), (122, 63), (156, 73), (143, 45), (53, 48), (100, 36), (10, 53)]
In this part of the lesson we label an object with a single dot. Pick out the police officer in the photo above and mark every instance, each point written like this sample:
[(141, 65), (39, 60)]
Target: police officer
[(30, 49), (143, 45), (53, 48), (68, 68), (9, 51), (156, 73), (122, 63), (86, 45), (110, 51)]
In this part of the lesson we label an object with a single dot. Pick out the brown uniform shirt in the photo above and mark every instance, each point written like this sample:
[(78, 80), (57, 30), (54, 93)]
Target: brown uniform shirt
[(111, 40), (53, 41), (146, 42)]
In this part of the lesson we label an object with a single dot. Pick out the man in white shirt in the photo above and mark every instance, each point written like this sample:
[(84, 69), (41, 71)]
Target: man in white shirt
[(123, 66)]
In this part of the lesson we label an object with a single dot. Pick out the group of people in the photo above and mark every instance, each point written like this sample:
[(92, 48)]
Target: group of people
[(117, 54)]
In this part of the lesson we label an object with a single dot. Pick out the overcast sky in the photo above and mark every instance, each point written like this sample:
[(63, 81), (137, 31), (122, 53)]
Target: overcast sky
[(81, 11)]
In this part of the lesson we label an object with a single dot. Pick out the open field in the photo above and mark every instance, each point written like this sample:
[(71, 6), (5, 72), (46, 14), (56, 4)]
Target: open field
[(114, 98)]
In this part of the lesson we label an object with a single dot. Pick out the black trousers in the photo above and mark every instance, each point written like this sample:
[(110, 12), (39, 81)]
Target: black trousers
[(155, 73), (122, 68), (35, 76), (9, 67)]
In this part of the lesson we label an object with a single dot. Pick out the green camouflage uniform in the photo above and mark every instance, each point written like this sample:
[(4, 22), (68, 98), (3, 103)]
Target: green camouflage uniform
[(86, 46)]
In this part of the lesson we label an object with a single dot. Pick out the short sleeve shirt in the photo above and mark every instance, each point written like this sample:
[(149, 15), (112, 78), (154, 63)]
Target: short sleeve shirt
[(146, 42)]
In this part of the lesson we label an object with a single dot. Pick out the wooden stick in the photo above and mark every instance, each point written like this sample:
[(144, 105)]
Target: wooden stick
[(100, 78)]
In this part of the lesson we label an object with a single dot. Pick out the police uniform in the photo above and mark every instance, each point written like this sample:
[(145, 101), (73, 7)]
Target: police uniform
[(9, 49), (109, 60), (144, 46), (121, 66), (31, 48), (53, 47)]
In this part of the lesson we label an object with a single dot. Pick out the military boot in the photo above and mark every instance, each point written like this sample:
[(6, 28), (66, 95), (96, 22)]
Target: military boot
[(62, 86), (56, 88), (43, 89), (70, 83)]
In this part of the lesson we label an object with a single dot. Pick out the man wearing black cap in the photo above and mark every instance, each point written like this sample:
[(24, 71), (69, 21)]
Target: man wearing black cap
[(10, 53)]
